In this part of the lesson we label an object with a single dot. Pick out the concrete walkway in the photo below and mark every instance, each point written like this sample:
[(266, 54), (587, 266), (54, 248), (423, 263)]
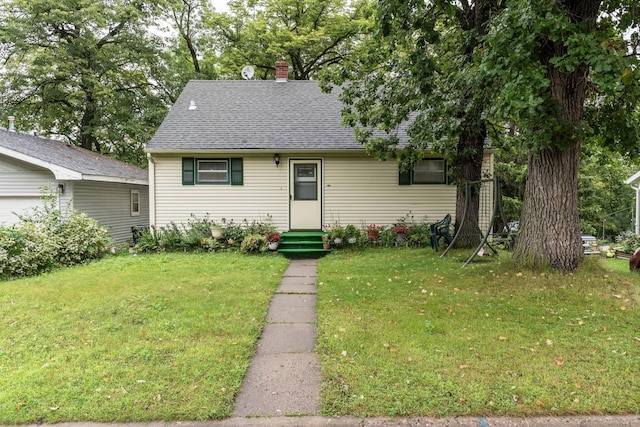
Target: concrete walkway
[(284, 375)]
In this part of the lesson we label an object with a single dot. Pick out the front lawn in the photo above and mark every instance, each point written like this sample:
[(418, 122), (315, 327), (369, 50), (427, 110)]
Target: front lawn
[(160, 337), (403, 332)]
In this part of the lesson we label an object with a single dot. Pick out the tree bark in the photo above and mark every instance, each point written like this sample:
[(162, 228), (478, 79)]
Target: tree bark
[(549, 233), (470, 147), (468, 166)]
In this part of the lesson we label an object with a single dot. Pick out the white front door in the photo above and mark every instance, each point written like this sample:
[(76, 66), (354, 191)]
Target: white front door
[(305, 194)]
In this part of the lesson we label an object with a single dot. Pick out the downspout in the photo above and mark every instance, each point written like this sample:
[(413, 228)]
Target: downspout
[(152, 190)]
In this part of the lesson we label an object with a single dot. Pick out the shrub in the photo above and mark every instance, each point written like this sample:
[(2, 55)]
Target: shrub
[(631, 244), (254, 243), (234, 233), (81, 238), (26, 249), (43, 239)]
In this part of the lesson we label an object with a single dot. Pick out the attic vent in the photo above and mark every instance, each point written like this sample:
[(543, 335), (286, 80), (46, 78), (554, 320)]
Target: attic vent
[(192, 106)]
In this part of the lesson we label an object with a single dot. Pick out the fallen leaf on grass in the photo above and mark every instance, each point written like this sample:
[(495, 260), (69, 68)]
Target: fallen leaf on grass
[(560, 361), (539, 403), (549, 342)]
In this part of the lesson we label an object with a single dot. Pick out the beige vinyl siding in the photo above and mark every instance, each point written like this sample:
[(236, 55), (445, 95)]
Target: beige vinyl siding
[(361, 190), (264, 192), (356, 189), (109, 204)]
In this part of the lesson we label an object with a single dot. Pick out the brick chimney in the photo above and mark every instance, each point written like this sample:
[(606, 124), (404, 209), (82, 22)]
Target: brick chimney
[(282, 71)]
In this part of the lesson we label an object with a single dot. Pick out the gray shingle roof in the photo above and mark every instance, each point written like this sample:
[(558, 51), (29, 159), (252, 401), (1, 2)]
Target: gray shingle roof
[(261, 114), (70, 157)]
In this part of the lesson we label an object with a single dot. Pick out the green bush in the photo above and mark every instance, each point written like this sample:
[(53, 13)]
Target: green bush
[(631, 244), (81, 238), (43, 239), (26, 249), (234, 233), (254, 243)]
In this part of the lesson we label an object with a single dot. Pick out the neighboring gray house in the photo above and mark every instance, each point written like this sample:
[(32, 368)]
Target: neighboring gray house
[(114, 193), (277, 149)]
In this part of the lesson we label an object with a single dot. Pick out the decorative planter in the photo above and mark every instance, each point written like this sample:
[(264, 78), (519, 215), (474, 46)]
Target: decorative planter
[(351, 240), (273, 246), (326, 246), (337, 241), (373, 235), (216, 232)]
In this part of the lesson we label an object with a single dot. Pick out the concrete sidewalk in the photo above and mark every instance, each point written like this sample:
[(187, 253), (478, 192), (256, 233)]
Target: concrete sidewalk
[(284, 375)]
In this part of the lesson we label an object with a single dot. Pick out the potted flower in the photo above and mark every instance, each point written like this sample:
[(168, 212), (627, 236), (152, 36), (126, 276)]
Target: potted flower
[(402, 231), (351, 233), (336, 234), (273, 239), (373, 231), (325, 241)]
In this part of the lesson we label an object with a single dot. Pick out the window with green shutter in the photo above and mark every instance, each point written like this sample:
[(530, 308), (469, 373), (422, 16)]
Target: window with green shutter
[(212, 171)]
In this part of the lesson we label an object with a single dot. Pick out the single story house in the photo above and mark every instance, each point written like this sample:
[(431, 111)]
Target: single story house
[(634, 182), (257, 149), (114, 193)]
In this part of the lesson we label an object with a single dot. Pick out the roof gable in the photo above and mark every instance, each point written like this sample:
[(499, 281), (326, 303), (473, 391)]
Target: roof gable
[(254, 115), (68, 161)]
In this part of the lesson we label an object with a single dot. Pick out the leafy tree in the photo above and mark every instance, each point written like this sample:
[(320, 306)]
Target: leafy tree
[(189, 49), (556, 67), (418, 73), (79, 69), (308, 34)]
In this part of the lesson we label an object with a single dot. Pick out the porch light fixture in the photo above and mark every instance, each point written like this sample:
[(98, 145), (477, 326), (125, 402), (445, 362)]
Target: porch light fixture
[(276, 159)]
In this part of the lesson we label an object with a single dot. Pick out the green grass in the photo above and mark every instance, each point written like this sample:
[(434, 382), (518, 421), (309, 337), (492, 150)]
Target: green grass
[(404, 333), (159, 337)]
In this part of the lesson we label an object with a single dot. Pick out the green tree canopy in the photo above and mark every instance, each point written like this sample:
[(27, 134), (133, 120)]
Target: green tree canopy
[(308, 34), (79, 70), (554, 68), (417, 72)]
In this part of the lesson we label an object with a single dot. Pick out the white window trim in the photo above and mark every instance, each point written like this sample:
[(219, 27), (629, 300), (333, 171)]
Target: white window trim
[(134, 194), (218, 181)]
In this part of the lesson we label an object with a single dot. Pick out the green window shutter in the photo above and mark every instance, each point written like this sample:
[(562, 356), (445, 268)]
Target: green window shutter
[(404, 178), (236, 171), (188, 171)]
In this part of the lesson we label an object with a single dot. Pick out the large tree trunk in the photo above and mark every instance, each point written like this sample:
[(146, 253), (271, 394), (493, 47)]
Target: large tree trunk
[(468, 168), (549, 233), (470, 149)]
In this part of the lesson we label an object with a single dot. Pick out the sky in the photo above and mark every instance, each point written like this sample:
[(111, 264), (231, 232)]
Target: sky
[(220, 5)]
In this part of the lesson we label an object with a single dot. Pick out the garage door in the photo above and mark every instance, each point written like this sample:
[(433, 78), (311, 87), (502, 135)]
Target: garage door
[(20, 205)]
